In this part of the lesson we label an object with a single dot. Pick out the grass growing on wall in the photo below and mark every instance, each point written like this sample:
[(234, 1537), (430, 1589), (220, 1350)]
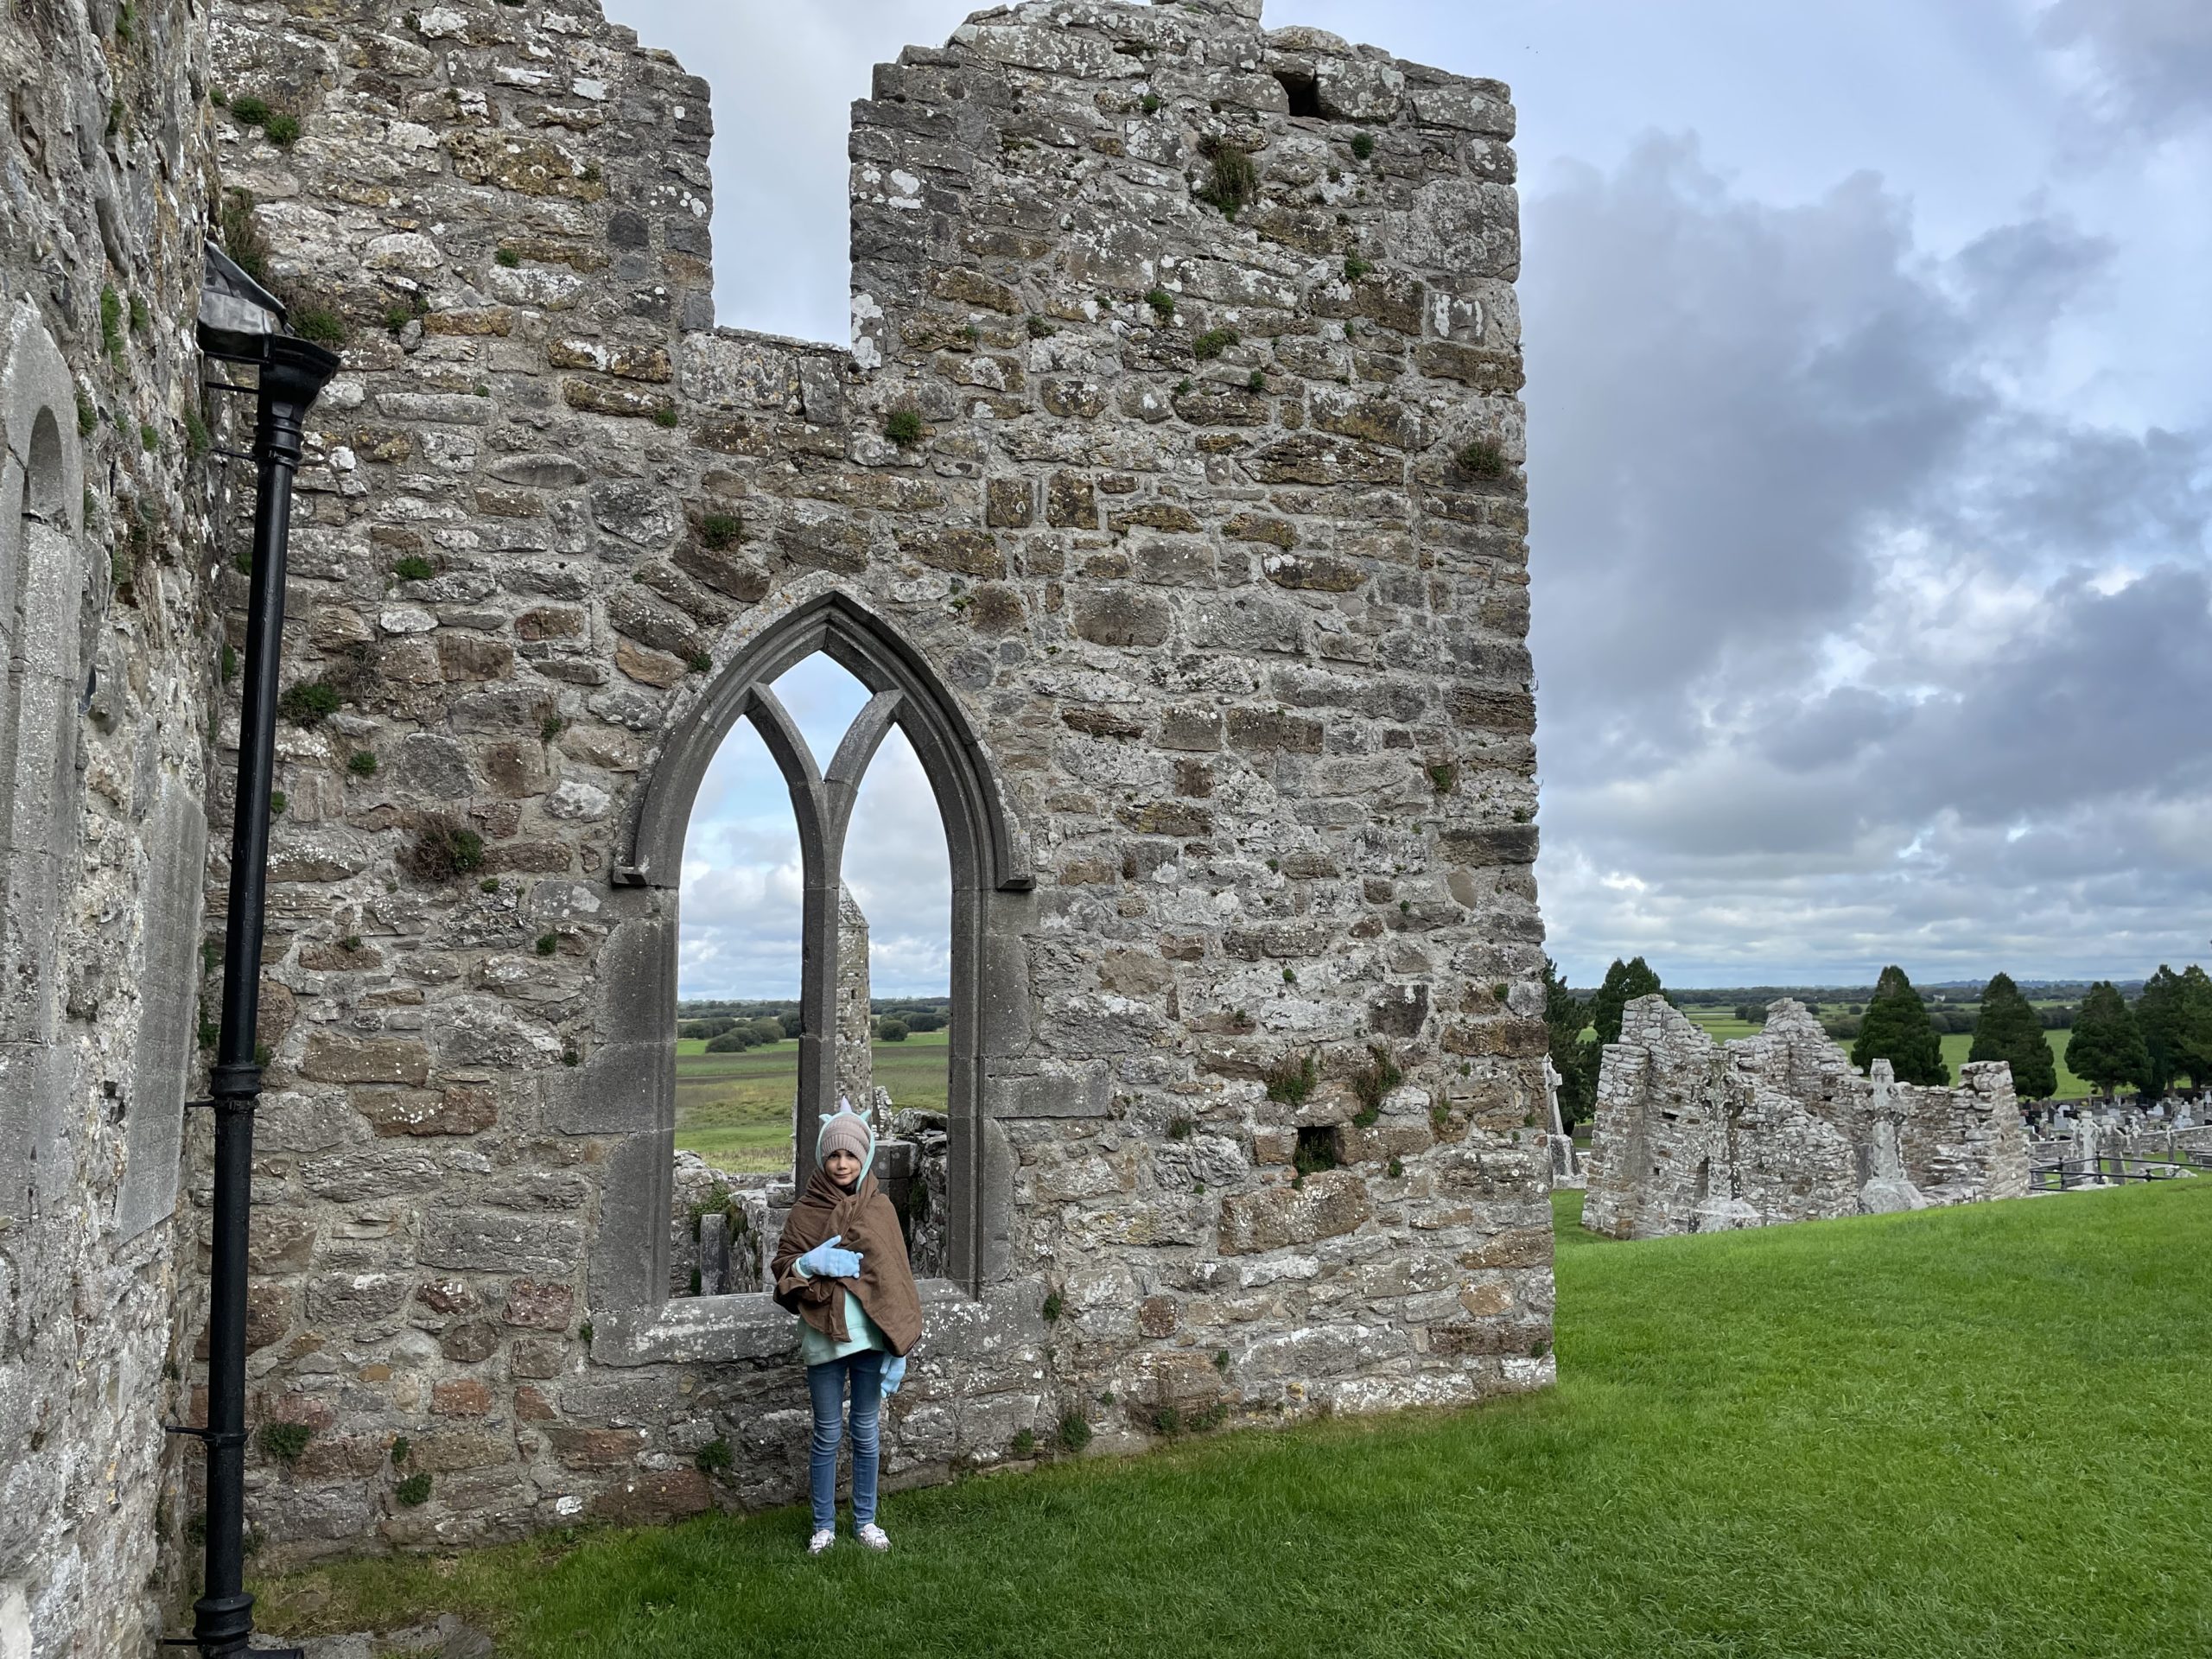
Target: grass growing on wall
[(1978, 1434), (735, 1111)]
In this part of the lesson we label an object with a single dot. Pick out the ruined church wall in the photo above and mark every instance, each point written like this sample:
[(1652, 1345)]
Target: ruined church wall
[(1239, 642), (1694, 1136), (109, 657), (1968, 1143)]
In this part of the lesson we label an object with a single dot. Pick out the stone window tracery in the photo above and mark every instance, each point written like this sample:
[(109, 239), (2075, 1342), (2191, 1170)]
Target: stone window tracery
[(628, 1088)]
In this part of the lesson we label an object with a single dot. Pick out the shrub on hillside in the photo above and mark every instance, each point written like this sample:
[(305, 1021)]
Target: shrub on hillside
[(736, 1040)]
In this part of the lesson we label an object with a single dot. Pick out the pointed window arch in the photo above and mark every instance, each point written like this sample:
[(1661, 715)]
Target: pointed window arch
[(987, 854)]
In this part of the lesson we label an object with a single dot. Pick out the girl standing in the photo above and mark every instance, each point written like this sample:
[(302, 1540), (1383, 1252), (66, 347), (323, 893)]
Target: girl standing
[(841, 1265)]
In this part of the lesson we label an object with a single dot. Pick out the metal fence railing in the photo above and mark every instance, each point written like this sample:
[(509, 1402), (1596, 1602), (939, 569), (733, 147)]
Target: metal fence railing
[(2108, 1169)]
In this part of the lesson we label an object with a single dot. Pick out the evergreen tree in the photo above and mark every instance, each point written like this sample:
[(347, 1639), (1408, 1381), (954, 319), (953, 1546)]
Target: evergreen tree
[(1576, 1061), (1896, 1029), (2011, 1030), (1623, 983), (2175, 1015), (2192, 1057), (2107, 1046)]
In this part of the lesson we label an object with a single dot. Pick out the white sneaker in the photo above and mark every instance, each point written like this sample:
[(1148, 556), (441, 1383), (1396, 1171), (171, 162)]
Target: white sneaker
[(874, 1536), (823, 1539)]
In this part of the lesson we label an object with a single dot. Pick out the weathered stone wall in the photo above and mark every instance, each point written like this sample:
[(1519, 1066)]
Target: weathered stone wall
[(1691, 1136), (108, 661), (1194, 546)]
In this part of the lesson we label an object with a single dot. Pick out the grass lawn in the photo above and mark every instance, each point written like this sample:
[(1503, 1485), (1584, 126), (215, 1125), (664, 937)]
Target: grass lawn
[(1977, 1433), (736, 1109), (1957, 1044)]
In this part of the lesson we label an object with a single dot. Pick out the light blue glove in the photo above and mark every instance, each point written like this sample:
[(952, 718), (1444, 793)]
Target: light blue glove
[(894, 1373), (826, 1261)]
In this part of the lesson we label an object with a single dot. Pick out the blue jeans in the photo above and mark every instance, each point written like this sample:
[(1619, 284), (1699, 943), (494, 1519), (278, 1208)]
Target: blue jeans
[(826, 1384)]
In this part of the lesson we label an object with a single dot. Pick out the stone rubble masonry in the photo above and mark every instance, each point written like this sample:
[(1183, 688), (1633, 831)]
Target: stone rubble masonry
[(1198, 542), (1692, 1137), (109, 659)]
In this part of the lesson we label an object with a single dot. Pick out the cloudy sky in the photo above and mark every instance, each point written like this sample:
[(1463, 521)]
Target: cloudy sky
[(1870, 412)]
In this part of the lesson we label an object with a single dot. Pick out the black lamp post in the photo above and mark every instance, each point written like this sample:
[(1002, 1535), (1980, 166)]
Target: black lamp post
[(242, 323)]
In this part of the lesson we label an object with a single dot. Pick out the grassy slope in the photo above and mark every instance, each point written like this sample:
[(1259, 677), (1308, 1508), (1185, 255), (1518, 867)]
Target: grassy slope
[(736, 1109), (1964, 1433)]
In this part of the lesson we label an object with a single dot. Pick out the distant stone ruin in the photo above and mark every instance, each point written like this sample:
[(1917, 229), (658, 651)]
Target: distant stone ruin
[(1692, 1136)]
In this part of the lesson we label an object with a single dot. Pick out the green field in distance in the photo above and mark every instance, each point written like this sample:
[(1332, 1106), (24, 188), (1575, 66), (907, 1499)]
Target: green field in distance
[(735, 1111)]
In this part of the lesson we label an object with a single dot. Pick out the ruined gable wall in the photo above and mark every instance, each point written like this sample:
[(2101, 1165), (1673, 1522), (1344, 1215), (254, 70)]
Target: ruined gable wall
[(1660, 1128), (110, 659), (1240, 640)]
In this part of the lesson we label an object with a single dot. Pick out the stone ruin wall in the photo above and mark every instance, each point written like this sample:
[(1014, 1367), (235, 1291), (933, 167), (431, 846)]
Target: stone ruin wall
[(1692, 1136), (1234, 644), (1240, 646), (109, 659)]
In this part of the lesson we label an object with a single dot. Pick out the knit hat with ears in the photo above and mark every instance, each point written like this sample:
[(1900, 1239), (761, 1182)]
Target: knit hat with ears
[(845, 1130)]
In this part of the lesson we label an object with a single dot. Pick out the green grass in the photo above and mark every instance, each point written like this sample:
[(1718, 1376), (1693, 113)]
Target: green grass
[(735, 1111), (1976, 1434), (1720, 1024), (1958, 1044)]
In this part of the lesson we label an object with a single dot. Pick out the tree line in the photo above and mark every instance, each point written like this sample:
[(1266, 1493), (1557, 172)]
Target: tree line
[(732, 1027), (2161, 1041)]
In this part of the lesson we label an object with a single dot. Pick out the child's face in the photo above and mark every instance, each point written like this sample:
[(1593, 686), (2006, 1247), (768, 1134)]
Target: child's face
[(844, 1167)]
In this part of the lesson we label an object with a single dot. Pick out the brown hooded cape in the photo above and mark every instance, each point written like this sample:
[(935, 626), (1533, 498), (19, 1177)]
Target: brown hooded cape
[(865, 1223)]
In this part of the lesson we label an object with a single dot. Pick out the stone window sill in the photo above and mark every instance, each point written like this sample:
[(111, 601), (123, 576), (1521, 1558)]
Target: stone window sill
[(743, 1327)]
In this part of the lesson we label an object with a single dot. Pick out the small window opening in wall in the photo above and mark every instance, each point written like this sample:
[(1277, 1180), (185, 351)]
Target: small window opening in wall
[(1303, 91), (45, 488), (1317, 1149)]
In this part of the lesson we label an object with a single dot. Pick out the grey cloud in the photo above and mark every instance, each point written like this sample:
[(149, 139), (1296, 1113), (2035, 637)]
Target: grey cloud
[(1848, 652), (1830, 729), (1725, 399), (2151, 59), (741, 896)]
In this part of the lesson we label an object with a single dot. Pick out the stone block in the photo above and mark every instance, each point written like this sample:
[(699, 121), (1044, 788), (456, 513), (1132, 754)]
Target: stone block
[(1326, 1204), (333, 1057), (1064, 1091), (487, 1240), (460, 1109), (546, 1307), (153, 1128)]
